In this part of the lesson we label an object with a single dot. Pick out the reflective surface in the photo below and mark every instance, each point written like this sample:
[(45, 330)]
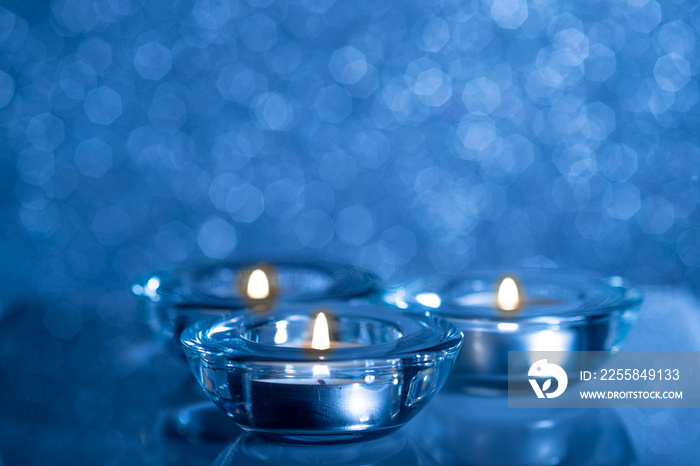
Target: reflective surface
[(464, 430), (459, 430), (187, 416), (379, 369), (395, 449), (98, 396)]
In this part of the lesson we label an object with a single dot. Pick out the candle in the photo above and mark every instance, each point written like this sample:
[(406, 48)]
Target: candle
[(508, 300), (170, 301), (337, 374), (537, 311), (508, 297), (322, 402), (259, 288)]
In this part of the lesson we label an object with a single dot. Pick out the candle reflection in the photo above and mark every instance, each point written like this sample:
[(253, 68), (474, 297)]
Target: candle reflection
[(321, 340), (281, 333)]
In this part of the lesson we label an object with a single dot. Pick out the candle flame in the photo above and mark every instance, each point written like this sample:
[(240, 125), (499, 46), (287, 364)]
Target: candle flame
[(508, 295), (321, 337), (258, 285)]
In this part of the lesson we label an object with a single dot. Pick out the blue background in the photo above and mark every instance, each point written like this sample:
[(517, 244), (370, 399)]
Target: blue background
[(402, 137), (407, 137)]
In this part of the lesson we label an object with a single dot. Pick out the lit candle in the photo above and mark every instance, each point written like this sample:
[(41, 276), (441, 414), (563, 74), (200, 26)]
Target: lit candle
[(320, 339), (508, 298), (491, 344), (258, 288), (541, 311), (355, 372), (172, 300), (258, 285), (322, 401)]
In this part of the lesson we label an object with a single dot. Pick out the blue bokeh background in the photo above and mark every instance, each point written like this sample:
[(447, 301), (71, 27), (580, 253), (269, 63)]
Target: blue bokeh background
[(403, 137), (407, 137)]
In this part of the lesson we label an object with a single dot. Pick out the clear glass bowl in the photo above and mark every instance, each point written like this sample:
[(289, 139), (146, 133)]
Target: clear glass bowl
[(560, 311), (172, 300), (382, 367)]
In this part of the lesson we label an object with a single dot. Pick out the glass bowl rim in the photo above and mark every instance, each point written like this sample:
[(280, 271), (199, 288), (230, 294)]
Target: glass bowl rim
[(420, 334), (365, 282), (625, 296)]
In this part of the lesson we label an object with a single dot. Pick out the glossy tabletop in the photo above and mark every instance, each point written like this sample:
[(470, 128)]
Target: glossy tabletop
[(83, 384)]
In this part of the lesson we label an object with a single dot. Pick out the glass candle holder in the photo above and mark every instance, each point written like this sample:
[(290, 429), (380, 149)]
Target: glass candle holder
[(172, 300), (336, 373), (523, 310), (169, 301)]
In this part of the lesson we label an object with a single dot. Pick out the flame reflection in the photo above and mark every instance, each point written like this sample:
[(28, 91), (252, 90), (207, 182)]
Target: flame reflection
[(281, 333)]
